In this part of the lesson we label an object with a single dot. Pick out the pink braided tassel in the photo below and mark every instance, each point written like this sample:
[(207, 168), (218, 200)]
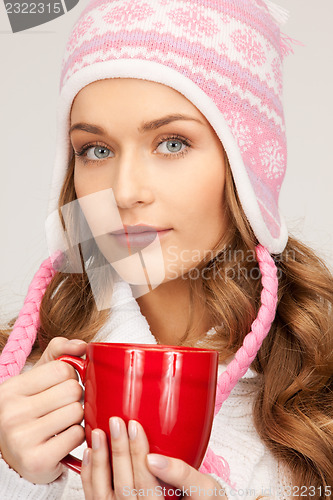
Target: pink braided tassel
[(246, 353), (259, 329), (24, 332)]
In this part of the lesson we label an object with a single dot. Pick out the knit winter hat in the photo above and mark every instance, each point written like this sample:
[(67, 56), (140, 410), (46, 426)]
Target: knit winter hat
[(225, 56)]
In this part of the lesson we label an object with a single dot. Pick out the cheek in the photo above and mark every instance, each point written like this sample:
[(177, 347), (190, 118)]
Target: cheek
[(90, 180), (80, 184), (200, 201)]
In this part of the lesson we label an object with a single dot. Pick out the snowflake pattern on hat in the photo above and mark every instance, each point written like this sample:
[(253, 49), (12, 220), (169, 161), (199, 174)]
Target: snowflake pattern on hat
[(194, 22), (81, 28), (249, 46), (272, 158), (129, 13)]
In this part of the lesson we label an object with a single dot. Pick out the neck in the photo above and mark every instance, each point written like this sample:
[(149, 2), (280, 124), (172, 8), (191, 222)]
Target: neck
[(167, 310)]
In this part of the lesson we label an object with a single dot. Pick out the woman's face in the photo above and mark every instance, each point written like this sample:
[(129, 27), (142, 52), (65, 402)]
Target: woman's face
[(163, 172)]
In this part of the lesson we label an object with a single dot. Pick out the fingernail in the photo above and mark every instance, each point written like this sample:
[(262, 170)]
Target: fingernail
[(86, 457), (158, 461), (76, 341), (95, 440), (114, 427), (132, 429)]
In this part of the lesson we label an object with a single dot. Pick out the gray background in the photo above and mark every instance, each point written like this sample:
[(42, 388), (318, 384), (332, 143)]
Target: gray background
[(30, 70)]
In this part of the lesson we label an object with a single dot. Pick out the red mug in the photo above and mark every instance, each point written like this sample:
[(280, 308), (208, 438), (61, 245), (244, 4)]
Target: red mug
[(170, 390)]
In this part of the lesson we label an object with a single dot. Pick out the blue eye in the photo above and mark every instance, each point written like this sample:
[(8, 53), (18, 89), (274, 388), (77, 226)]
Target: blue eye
[(176, 142), (99, 152), (173, 145)]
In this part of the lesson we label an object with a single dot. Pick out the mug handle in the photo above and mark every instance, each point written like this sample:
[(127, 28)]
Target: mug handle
[(80, 365)]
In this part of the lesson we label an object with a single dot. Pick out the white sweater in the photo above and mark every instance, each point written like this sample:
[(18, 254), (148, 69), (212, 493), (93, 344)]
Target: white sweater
[(253, 469)]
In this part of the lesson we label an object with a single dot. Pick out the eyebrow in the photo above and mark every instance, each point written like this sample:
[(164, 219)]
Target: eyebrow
[(146, 126)]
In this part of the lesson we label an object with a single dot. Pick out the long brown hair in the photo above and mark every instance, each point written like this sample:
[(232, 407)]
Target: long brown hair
[(293, 412)]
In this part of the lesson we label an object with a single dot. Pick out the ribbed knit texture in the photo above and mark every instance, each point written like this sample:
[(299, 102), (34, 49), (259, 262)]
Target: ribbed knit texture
[(14, 487)]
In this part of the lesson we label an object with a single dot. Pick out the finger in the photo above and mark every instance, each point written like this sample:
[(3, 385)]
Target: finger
[(59, 346), (39, 379), (53, 423), (181, 475), (86, 474), (63, 443), (121, 459), (101, 470), (59, 395), (139, 448)]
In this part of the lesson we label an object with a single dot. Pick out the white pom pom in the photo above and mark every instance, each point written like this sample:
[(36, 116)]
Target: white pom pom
[(280, 14)]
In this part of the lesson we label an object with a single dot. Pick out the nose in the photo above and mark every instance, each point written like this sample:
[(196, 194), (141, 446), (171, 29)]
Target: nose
[(132, 183)]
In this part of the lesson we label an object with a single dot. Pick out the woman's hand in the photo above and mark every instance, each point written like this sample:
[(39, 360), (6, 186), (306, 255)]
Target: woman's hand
[(135, 471), (40, 413)]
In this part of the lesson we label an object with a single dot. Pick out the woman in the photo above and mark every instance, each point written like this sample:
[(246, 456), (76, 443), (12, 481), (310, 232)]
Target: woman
[(214, 199)]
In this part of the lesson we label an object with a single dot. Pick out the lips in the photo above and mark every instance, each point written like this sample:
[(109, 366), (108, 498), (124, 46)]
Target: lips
[(138, 236), (139, 228)]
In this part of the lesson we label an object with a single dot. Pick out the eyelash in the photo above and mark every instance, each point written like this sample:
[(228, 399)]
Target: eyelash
[(85, 148)]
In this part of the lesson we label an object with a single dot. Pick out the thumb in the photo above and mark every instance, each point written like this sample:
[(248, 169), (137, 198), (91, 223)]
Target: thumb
[(178, 473), (59, 346)]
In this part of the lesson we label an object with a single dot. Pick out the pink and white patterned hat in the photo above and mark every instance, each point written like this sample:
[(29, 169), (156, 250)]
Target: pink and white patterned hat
[(225, 56)]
